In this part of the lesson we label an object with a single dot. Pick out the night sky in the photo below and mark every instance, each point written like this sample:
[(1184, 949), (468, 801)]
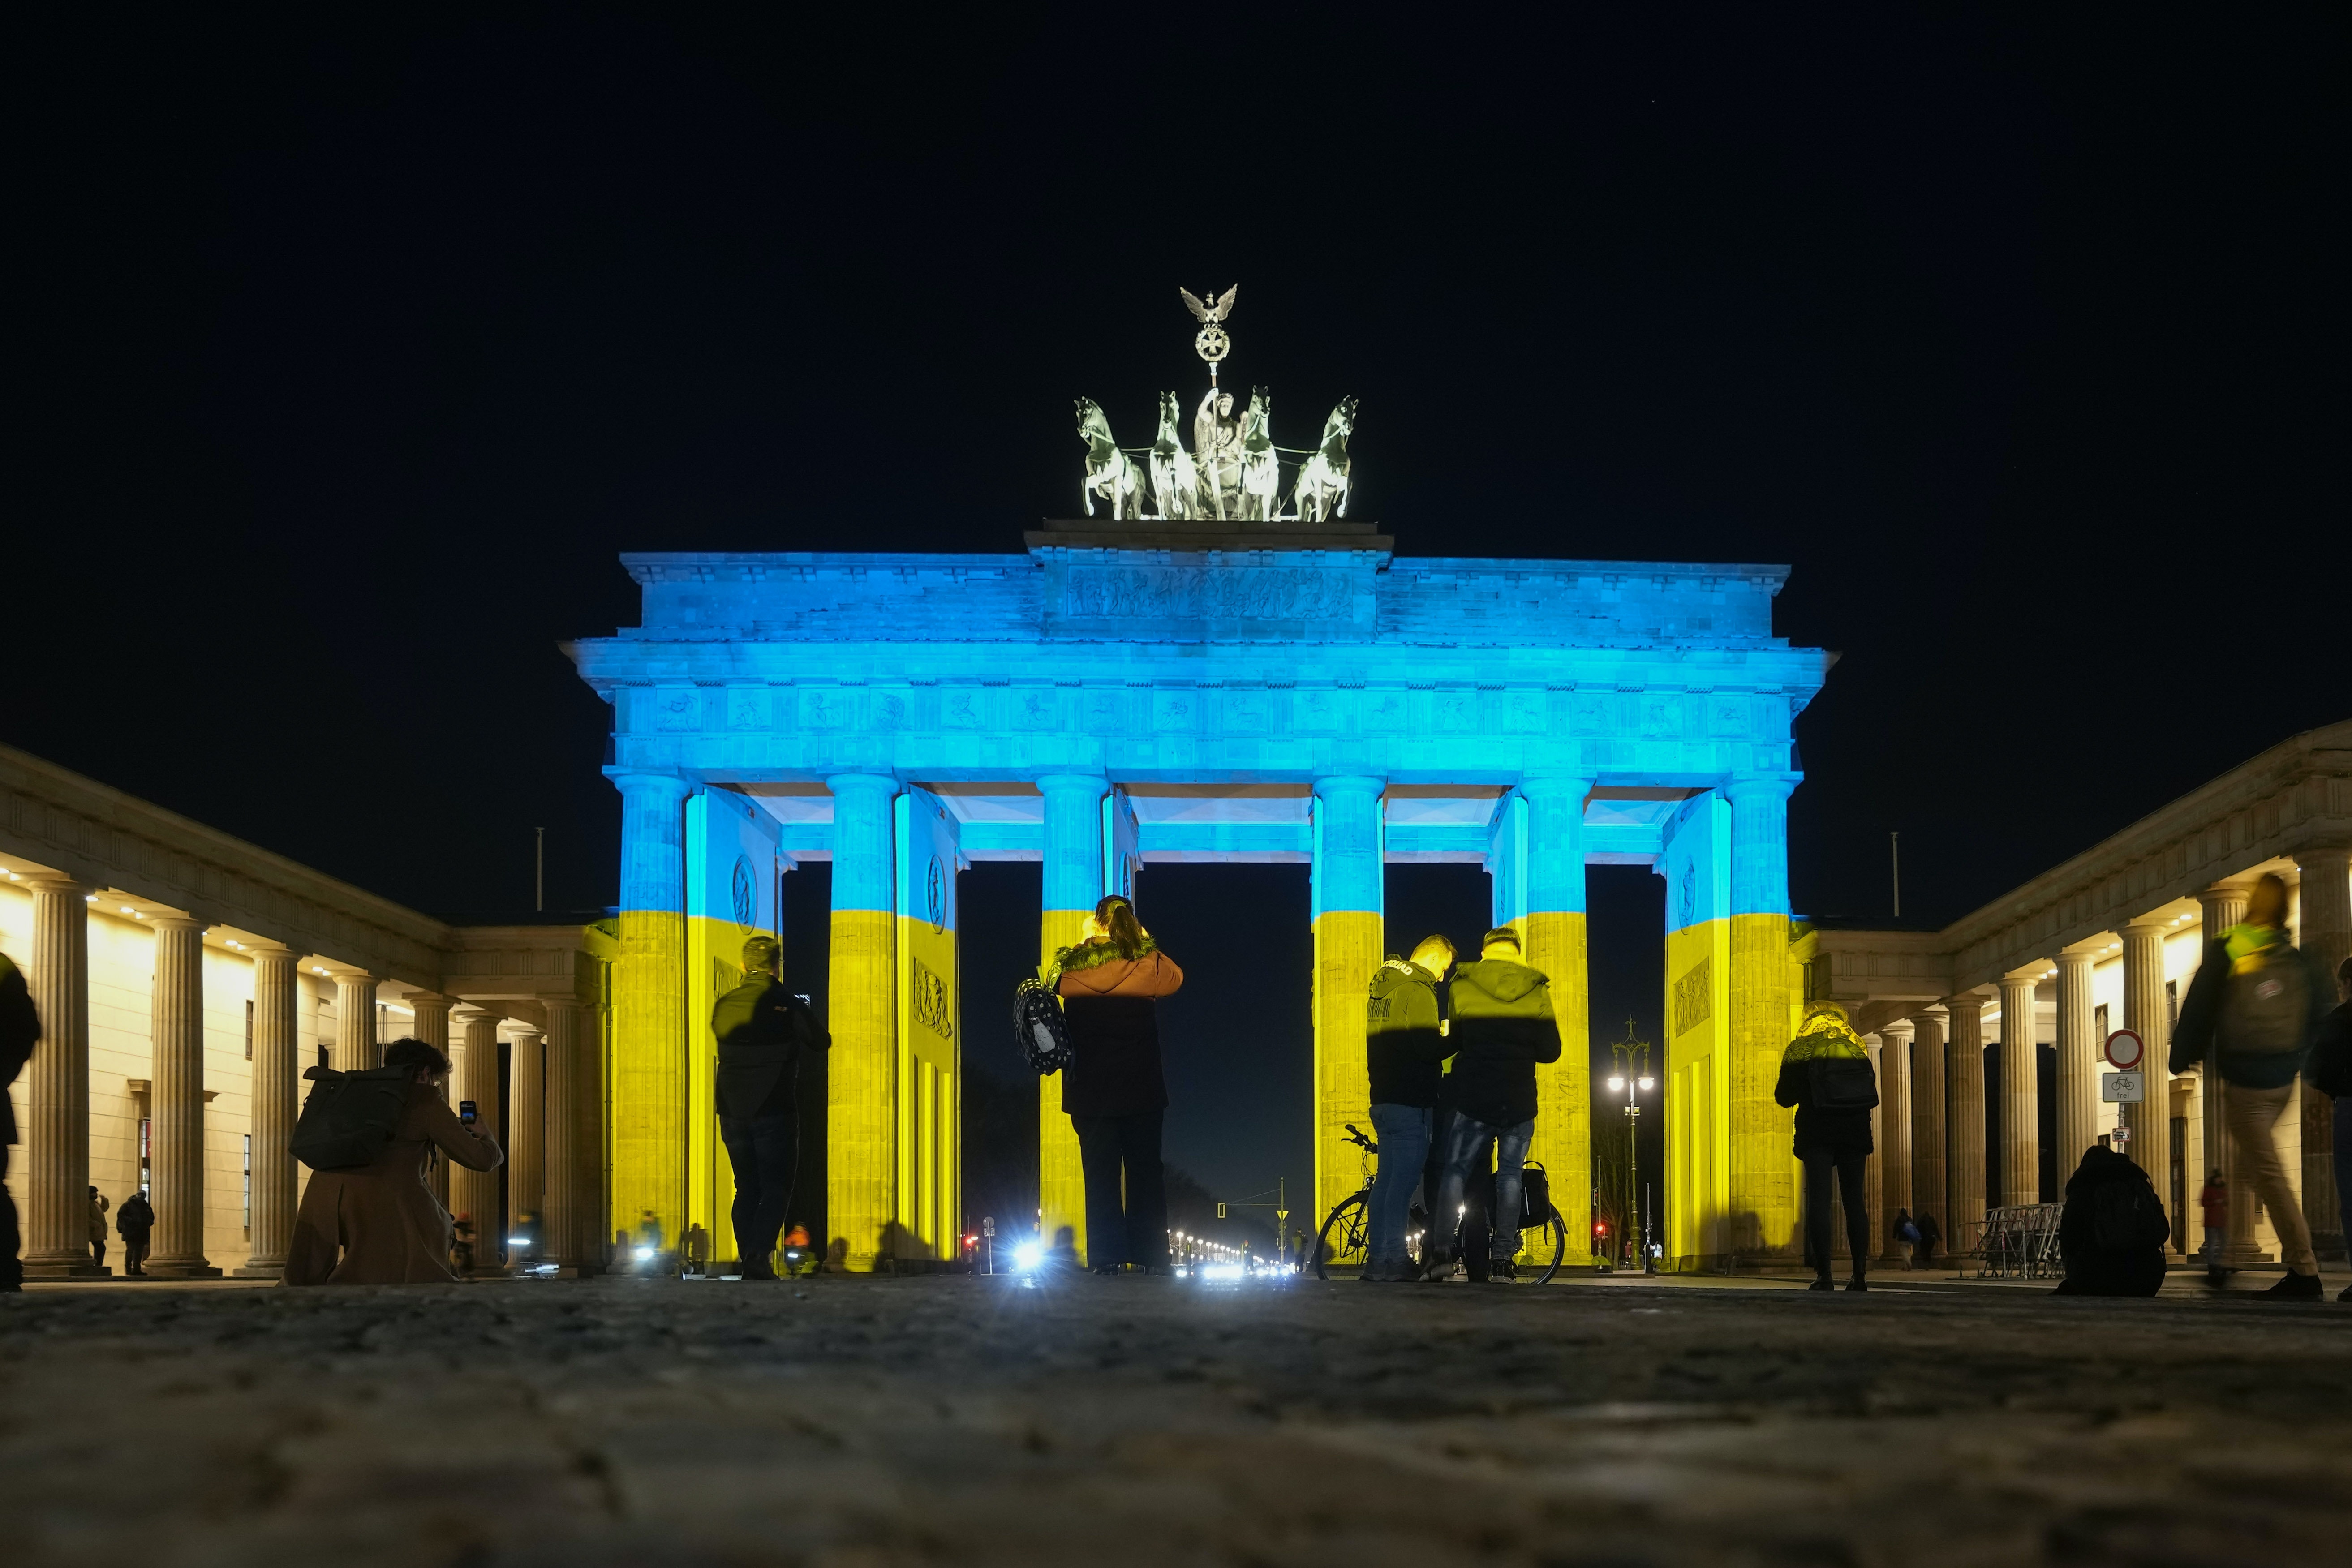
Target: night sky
[(350, 354)]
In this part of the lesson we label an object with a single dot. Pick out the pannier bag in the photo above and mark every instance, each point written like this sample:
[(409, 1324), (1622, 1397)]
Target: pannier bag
[(1039, 1029), (2265, 1011), (348, 1117), (1535, 1197)]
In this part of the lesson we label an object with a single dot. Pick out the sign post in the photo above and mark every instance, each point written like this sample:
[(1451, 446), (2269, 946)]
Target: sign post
[(2128, 1085)]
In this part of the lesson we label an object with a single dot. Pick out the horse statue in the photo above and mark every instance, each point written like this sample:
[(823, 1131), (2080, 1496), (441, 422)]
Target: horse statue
[(1323, 481), (1175, 482), (1110, 473), (1261, 469)]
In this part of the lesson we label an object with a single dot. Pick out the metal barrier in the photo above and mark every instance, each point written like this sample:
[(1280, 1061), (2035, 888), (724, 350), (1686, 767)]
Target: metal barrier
[(2020, 1242)]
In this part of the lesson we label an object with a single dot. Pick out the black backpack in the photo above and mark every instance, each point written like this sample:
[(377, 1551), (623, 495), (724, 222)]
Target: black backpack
[(1039, 1029), (2126, 1218), (348, 1117), (1841, 1083), (1535, 1196), (2266, 1010)]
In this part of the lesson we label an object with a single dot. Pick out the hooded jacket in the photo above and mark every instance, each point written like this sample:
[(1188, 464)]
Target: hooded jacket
[(1503, 1026), (1821, 1130), (763, 1030), (1402, 1046)]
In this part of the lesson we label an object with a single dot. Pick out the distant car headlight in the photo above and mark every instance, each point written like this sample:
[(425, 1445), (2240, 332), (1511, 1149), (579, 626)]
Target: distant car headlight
[(1029, 1255)]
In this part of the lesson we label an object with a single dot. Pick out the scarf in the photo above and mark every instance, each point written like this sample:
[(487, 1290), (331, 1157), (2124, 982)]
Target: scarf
[(1087, 955)]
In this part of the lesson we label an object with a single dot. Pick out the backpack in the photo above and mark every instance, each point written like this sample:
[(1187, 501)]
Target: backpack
[(1841, 1083), (1535, 1196), (348, 1117), (2126, 1218), (1908, 1232), (2266, 1011), (1039, 1030)]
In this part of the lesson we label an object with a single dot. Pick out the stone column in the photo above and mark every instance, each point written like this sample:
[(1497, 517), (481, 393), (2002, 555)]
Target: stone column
[(1554, 924), (177, 1038), (1930, 1179), (431, 1025), (526, 1128), (566, 1180), (2021, 1097), (2145, 1015), (356, 1046), (1074, 882), (1894, 1132), (1344, 905), (2324, 931), (476, 1193), (861, 1101), (649, 1006), (274, 1098), (1964, 1125), (594, 1225), (1874, 1169), (1763, 1176), (56, 1128), (2078, 1059)]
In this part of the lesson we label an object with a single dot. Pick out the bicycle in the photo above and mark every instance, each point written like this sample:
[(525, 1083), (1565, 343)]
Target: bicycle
[(1345, 1241)]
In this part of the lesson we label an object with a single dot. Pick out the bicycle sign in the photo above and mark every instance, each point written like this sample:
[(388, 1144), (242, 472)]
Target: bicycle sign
[(2124, 1051), (2123, 1087)]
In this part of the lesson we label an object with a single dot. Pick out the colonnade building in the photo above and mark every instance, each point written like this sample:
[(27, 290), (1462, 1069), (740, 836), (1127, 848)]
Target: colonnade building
[(185, 979), (2025, 992)]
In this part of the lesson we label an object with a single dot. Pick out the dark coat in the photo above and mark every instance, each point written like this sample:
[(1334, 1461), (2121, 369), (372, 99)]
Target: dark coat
[(2329, 1067), (1403, 1050), (1819, 1132), (762, 1030), (1112, 1005), (1502, 1026), (20, 1029), (2092, 1269), (134, 1216)]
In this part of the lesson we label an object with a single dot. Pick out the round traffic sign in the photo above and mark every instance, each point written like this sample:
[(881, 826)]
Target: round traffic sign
[(2124, 1050)]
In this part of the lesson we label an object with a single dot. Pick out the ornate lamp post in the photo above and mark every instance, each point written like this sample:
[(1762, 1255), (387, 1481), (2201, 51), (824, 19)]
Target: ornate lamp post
[(1631, 1057)]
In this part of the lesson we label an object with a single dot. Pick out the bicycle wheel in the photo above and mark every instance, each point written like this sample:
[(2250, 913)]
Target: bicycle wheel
[(1345, 1242), (1546, 1246)]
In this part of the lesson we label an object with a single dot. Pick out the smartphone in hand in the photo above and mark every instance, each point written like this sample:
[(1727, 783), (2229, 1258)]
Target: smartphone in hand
[(467, 1111)]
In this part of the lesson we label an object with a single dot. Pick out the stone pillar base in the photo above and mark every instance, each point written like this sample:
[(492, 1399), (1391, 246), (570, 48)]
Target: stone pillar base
[(65, 1268), (197, 1270), (260, 1271)]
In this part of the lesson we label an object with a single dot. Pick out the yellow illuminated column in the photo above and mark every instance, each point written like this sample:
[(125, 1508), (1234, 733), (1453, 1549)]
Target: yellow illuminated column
[(1930, 1179), (526, 1128), (1763, 1186), (648, 1082), (57, 1216), (2078, 1060), (1696, 864), (1072, 883), (862, 1091), (178, 1037), (1553, 925), (273, 1091), (560, 1226), (1346, 910), (428, 1022), (356, 1046)]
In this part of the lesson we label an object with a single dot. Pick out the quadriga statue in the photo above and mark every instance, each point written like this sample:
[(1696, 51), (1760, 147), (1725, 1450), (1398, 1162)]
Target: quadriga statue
[(1110, 473), (1175, 482), (1260, 480), (1323, 479)]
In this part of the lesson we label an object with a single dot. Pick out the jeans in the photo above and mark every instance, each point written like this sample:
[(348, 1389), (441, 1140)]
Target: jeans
[(1402, 1133), (1468, 1141), (1849, 1169), (1127, 1189), (2252, 1114), (765, 1152)]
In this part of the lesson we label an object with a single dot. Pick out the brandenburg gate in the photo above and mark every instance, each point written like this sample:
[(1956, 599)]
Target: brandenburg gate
[(1218, 682)]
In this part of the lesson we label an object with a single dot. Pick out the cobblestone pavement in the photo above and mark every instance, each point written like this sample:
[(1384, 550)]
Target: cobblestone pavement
[(1132, 1421)]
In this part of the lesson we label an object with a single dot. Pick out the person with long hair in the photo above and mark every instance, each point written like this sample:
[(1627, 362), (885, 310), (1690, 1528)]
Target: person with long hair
[(1114, 1091), (379, 1223)]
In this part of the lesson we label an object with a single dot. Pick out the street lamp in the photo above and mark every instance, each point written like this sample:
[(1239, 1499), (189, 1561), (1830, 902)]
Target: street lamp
[(1630, 1079)]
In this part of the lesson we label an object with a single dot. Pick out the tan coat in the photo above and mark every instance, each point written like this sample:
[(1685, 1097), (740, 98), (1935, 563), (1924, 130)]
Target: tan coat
[(380, 1224)]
